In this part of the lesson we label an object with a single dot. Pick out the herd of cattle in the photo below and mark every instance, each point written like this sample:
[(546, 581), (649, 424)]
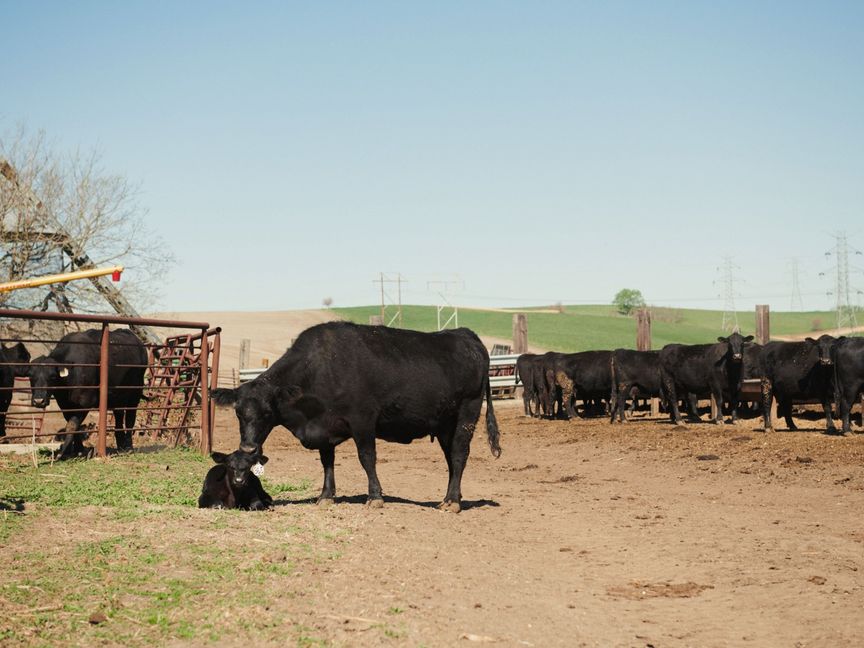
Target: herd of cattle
[(827, 370), (343, 381)]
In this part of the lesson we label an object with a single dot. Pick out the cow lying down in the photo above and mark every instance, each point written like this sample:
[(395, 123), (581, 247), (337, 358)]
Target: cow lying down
[(223, 488)]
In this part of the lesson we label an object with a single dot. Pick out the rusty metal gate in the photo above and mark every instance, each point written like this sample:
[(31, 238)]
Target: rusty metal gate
[(179, 373)]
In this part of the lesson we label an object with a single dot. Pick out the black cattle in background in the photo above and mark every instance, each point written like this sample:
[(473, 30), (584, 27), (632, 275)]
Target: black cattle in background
[(798, 371), (75, 387), (223, 489), (13, 362), (526, 375), (634, 374), (714, 369), (544, 379), (343, 381), (584, 376), (849, 376)]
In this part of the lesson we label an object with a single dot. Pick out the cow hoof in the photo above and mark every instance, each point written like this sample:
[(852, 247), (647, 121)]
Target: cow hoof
[(450, 507), (325, 501), (719, 422), (375, 503)]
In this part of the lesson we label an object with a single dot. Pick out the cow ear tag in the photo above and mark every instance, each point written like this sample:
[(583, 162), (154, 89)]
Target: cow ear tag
[(64, 372), (258, 469)]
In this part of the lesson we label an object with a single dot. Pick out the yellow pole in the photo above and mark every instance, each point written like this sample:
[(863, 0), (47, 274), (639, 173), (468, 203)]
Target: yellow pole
[(58, 278)]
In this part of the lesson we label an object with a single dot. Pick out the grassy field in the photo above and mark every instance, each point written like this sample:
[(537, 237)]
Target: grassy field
[(131, 561), (581, 328)]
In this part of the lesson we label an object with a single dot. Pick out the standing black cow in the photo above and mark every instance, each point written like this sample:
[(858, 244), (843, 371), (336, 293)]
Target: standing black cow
[(585, 376), (13, 362), (849, 374), (525, 374), (345, 381), (70, 373), (704, 369), (798, 370), (634, 374)]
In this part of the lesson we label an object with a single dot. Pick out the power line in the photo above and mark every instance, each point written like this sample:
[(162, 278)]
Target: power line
[(727, 293), (391, 309), (842, 288), (796, 303)]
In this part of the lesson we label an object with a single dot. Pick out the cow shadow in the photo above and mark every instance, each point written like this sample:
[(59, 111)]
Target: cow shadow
[(389, 499)]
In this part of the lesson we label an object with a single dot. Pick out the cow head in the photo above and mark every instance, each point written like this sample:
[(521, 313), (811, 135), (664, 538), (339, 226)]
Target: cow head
[(44, 374), (239, 464), (256, 405), (18, 353), (825, 348), (736, 343)]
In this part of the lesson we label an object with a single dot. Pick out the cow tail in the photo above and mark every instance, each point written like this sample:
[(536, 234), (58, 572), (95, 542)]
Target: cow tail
[(491, 424)]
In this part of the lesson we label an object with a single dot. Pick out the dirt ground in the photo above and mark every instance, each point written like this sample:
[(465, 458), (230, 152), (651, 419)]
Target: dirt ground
[(587, 534)]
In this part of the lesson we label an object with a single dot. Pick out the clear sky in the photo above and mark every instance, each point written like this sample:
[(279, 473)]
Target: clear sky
[(540, 151)]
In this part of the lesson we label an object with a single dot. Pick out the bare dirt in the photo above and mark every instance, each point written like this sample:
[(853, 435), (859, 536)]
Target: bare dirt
[(587, 534)]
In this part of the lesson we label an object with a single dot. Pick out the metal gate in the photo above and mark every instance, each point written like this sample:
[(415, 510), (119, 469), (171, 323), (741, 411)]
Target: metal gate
[(179, 374)]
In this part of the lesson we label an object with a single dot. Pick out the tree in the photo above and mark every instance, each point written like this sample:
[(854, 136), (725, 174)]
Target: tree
[(628, 299), (63, 212)]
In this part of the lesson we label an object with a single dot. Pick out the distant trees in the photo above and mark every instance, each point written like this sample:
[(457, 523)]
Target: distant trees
[(628, 299), (63, 212)]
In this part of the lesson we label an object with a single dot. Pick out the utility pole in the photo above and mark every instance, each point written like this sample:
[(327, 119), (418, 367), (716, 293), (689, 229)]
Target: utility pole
[(727, 293), (842, 288), (391, 309)]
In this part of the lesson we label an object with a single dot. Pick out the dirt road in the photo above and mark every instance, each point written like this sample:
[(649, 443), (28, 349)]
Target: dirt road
[(585, 534)]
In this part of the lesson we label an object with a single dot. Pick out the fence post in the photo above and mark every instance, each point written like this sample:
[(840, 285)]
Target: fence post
[(102, 432), (206, 440), (763, 324), (643, 343), (214, 378), (245, 350), (520, 333)]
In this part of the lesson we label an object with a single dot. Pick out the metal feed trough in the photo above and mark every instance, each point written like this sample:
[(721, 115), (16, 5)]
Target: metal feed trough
[(179, 374)]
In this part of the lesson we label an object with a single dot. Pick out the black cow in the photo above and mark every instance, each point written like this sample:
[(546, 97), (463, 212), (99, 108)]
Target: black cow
[(635, 374), (223, 489), (70, 373), (525, 374), (849, 373), (345, 381), (714, 369), (798, 370), (13, 362), (585, 376)]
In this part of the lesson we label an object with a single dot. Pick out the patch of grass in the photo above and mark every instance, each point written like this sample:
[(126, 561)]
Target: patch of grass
[(582, 328)]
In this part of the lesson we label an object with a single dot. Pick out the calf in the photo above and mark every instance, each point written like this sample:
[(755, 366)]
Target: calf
[(798, 371), (224, 489)]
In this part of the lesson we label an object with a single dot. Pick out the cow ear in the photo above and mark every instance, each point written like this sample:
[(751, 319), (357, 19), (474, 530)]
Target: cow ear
[(722, 339), (810, 340), (224, 396), (219, 457), (263, 460), (749, 338), (841, 338)]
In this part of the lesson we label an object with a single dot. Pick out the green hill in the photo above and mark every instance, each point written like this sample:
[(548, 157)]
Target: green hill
[(581, 328)]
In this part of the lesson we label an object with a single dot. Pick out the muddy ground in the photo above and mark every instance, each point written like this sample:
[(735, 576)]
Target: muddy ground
[(586, 534)]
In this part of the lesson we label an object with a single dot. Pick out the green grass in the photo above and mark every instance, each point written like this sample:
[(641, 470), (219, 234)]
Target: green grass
[(582, 328), (123, 539)]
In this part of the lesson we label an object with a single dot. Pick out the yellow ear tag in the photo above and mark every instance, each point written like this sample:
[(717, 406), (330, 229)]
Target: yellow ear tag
[(64, 372)]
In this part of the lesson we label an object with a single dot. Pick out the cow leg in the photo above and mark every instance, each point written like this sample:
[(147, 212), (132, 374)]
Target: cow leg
[(717, 392), (784, 409), (120, 431), (328, 491), (829, 419), (566, 393), (669, 384), (767, 397), (72, 444), (456, 449), (847, 399), (366, 452), (131, 417)]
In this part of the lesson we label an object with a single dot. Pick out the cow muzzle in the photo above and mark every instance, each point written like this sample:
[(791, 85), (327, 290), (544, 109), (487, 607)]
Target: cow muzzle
[(826, 361), (736, 356), (41, 403)]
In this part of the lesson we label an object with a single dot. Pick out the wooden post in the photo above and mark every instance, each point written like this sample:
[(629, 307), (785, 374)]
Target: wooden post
[(206, 438), (245, 350), (102, 431), (520, 333), (763, 325), (214, 381), (643, 329)]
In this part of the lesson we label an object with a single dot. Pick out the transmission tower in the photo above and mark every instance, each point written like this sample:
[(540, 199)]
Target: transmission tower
[(842, 288), (796, 302), (447, 313), (391, 309), (727, 293)]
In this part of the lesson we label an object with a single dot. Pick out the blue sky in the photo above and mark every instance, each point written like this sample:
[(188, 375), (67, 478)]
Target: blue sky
[(540, 151)]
